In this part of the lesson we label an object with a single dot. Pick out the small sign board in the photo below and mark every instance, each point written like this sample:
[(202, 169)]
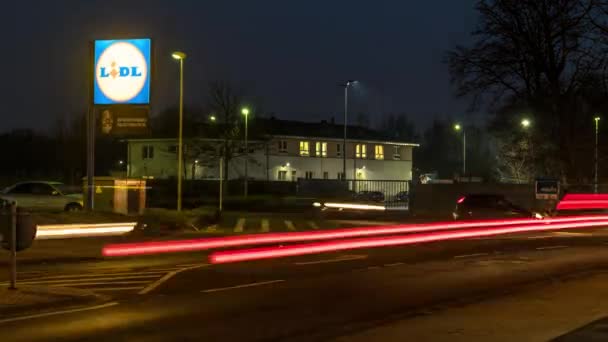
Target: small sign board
[(123, 120), (547, 189)]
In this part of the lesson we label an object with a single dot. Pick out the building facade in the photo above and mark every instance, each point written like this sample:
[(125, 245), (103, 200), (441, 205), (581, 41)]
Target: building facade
[(276, 157)]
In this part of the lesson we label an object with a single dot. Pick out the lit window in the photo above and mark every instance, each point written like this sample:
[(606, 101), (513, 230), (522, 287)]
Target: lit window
[(379, 152), (361, 151), (282, 175), (147, 152), (282, 146), (396, 154), (294, 175), (304, 148), (321, 149)]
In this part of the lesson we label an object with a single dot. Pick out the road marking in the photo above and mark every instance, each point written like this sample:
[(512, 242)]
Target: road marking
[(326, 261), (469, 255), (46, 314), (571, 234), (167, 276), (240, 225), (290, 225), (118, 288), (68, 281), (243, 286), (550, 247), (82, 283), (313, 225), (190, 265), (265, 226), (393, 264)]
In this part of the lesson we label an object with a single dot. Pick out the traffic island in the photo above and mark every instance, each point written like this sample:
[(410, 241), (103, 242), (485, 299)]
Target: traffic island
[(28, 300)]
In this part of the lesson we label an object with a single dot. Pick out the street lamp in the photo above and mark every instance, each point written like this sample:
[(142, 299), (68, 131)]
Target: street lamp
[(245, 112), (212, 118), (525, 123), (346, 85), (597, 129), (458, 128), (180, 56)]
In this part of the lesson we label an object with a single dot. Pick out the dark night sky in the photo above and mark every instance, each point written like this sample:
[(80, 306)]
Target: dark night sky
[(290, 54)]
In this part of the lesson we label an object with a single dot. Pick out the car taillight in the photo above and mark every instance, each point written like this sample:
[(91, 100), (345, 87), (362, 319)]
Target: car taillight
[(460, 200)]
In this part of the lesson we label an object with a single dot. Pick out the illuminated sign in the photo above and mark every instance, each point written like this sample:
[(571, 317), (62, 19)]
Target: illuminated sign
[(122, 72)]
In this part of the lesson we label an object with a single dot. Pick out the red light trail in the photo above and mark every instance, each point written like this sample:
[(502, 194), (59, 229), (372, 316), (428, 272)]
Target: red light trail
[(156, 247), (386, 241)]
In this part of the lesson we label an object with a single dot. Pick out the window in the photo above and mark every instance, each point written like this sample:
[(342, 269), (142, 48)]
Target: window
[(172, 148), (42, 189), (282, 146), (23, 188), (379, 152), (396, 154), (325, 175), (294, 175), (361, 151), (321, 149), (341, 175), (309, 174), (147, 152), (338, 150), (282, 175), (304, 149)]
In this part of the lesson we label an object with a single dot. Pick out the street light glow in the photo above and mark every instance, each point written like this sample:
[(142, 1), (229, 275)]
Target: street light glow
[(178, 55), (245, 111), (525, 123), (597, 118), (212, 118), (457, 127)]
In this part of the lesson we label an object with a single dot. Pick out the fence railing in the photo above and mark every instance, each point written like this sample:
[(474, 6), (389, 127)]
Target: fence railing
[(390, 193)]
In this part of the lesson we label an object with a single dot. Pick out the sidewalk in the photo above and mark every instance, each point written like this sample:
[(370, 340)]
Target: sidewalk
[(539, 313), (37, 299)]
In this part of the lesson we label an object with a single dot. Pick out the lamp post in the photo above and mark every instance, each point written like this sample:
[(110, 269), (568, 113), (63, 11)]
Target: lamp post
[(345, 85), (245, 112), (212, 118), (180, 56), (458, 128), (597, 129)]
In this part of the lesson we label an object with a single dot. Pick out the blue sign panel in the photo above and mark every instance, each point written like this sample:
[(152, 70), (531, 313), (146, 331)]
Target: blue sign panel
[(122, 72)]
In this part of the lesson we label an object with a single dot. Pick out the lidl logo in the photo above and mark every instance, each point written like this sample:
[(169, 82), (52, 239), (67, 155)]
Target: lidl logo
[(122, 71)]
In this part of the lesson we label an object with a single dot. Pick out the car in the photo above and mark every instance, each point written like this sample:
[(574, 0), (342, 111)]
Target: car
[(483, 206), (370, 196), (44, 195), (402, 196)]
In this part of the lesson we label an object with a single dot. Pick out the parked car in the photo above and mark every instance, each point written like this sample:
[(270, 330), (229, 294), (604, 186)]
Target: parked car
[(483, 206), (402, 196), (43, 195), (370, 196)]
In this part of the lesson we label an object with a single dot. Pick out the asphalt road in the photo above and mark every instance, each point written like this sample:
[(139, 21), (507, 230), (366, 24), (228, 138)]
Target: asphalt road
[(315, 297)]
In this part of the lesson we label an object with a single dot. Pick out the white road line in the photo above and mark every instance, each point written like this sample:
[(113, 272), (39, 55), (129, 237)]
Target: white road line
[(326, 261), (240, 225), (290, 225), (550, 247), (46, 314), (243, 286), (313, 225), (469, 255), (265, 226), (83, 283), (118, 288), (393, 264), (167, 276)]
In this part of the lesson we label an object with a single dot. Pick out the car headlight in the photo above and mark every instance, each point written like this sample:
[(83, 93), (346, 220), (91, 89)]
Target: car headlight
[(538, 216)]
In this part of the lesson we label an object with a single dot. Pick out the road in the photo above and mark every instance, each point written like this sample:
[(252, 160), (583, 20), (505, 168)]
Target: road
[(315, 297)]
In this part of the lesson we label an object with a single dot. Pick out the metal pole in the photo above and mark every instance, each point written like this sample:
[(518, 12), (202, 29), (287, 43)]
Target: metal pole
[(464, 152), (596, 154), (345, 120), (13, 251), (221, 181), (246, 153), (90, 158), (180, 151)]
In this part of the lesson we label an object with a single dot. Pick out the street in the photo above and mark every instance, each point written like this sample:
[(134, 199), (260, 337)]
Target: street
[(316, 297)]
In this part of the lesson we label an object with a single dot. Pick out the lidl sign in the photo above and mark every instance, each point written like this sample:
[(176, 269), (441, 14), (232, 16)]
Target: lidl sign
[(122, 72)]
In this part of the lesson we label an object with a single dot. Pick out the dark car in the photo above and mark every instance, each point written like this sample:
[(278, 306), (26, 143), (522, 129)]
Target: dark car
[(370, 196), (482, 206)]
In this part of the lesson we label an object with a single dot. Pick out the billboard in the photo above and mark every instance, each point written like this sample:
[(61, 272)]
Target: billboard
[(122, 72), (547, 189), (123, 120)]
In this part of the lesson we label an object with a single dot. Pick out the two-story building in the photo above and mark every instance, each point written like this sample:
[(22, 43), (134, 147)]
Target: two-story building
[(279, 150)]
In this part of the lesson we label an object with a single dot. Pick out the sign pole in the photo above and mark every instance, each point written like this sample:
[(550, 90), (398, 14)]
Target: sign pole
[(221, 181), (90, 120), (13, 251)]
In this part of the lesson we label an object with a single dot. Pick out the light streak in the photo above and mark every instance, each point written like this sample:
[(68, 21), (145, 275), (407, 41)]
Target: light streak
[(354, 206), (156, 247), (62, 231), (386, 241)]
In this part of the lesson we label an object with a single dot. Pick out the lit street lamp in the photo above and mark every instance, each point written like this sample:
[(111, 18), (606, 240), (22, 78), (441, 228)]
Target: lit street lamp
[(525, 123), (212, 118), (245, 112), (597, 128), (346, 85), (458, 128), (180, 56)]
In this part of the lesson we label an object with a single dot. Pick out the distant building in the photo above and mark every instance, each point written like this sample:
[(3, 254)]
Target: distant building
[(280, 150)]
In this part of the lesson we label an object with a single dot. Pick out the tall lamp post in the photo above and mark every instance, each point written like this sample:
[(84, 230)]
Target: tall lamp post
[(345, 85), (458, 128), (245, 112), (597, 129), (180, 56)]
